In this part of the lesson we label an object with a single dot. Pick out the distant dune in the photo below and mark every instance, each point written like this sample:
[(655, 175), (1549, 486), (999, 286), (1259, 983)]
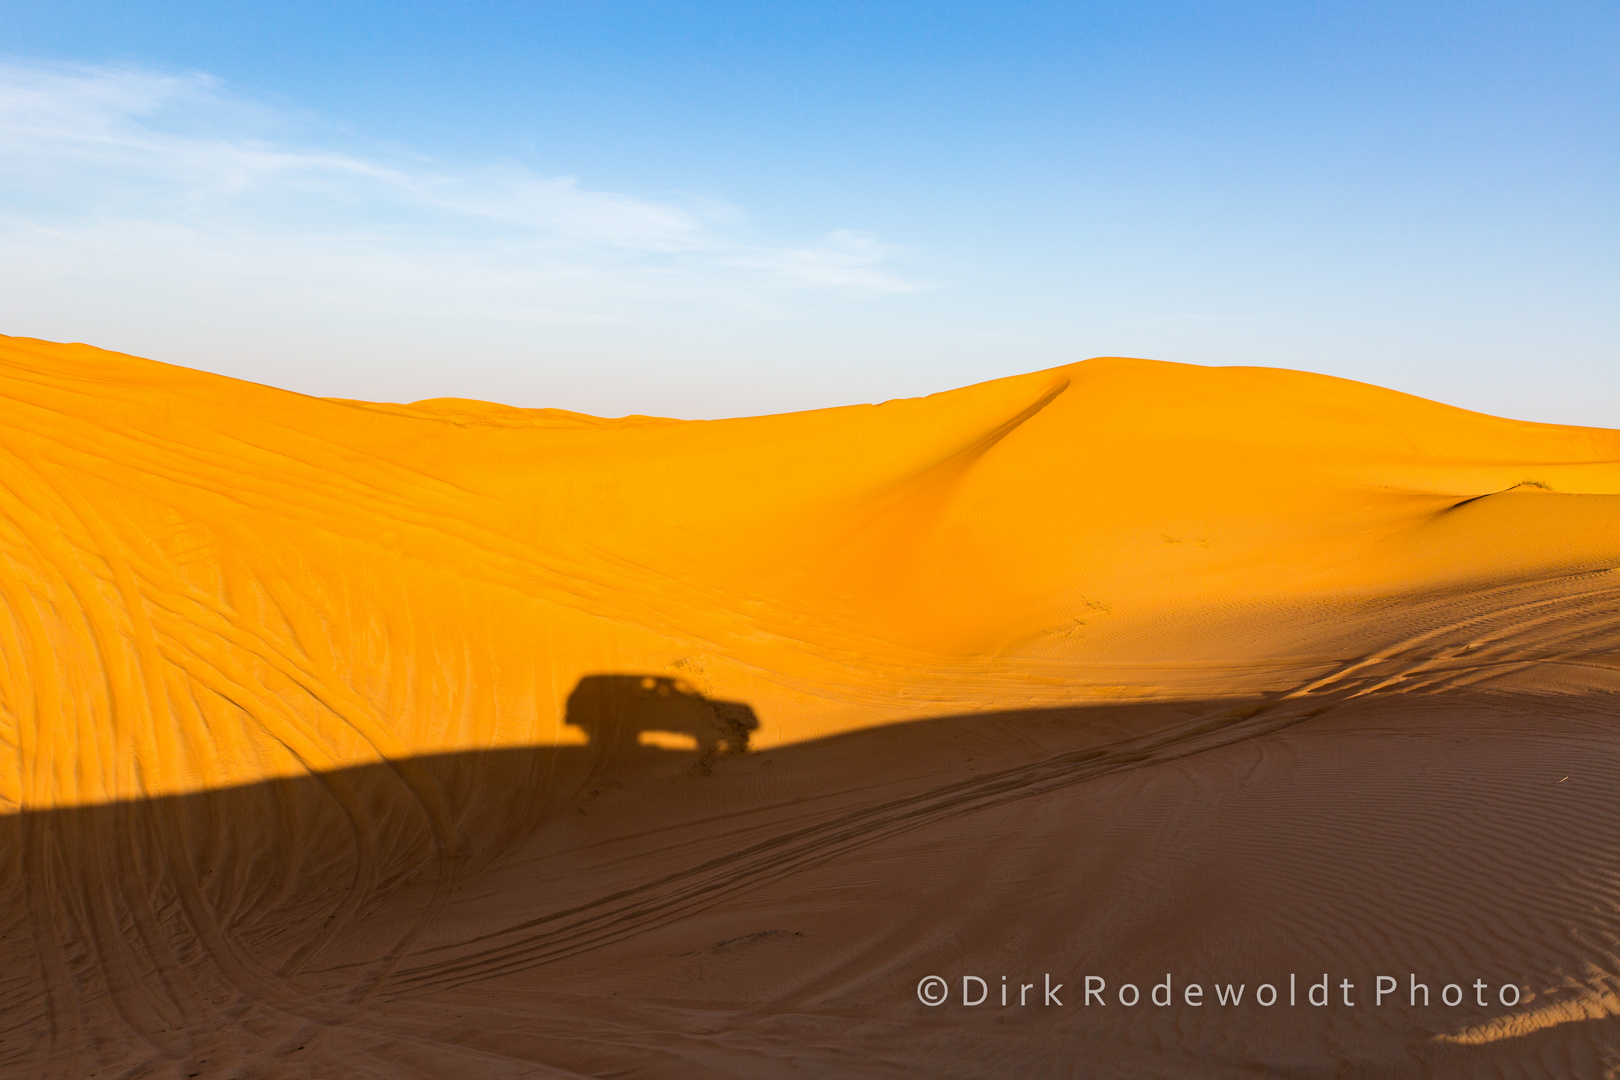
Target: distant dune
[(343, 739)]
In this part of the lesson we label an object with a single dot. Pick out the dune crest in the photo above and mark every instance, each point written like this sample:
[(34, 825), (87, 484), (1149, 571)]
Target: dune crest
[(215, 582)]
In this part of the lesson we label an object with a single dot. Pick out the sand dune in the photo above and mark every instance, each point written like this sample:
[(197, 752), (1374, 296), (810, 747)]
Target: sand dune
[(343, 739)]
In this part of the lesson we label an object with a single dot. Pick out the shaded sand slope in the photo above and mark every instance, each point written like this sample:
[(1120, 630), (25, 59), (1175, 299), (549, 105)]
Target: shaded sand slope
[(307, 771), (773, 917)]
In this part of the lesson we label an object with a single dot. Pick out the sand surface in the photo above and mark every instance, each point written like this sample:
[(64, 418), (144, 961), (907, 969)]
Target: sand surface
[(354, 740)]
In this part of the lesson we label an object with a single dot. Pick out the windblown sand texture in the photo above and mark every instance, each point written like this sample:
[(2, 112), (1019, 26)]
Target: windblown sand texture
[(350, 740)]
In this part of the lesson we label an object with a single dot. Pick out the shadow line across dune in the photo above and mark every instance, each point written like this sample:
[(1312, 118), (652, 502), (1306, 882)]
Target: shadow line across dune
[(245, 930)]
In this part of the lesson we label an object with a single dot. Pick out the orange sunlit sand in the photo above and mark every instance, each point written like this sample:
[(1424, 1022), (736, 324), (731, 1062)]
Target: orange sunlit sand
[(357, 723)]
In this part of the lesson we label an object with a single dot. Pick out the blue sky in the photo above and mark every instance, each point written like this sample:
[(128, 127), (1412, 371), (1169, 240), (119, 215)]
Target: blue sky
[(709, 209)]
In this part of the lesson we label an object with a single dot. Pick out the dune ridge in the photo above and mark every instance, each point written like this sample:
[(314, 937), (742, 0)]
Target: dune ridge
[(983, 548), (290, 782)]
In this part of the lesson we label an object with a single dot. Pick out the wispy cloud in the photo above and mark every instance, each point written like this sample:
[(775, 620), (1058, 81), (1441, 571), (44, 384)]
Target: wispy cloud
[(164, 182)]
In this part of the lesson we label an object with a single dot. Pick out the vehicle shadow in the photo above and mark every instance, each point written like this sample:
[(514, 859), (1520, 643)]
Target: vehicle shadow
[(623, 715)]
